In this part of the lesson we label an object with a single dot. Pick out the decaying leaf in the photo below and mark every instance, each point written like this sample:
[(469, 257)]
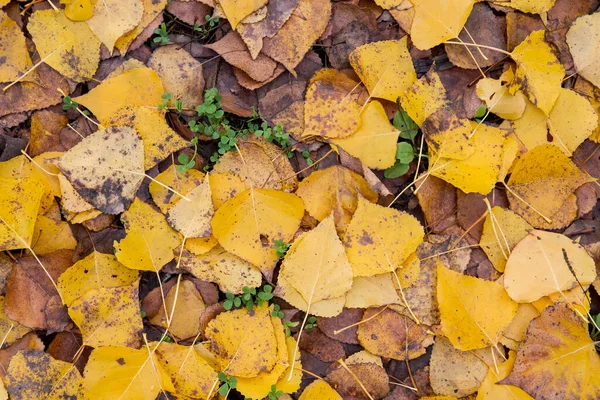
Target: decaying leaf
[(183, 182), (489, 388), (465, 302), (120, 372), (392, 335), (106, 168), (15, 330), (558, 358), (19, 205), (33, 374), (250, 223), (544, 263), (150, 240), (13, 50), (424, 97)]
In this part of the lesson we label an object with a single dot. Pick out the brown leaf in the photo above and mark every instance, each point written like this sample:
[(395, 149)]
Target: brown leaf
[(190, 12), (28, 342), (31, 298), (65, 347), (372, 376), (438, 202), (347, 317), (323, 347), (45, 128), (519, 26), (235, 98)]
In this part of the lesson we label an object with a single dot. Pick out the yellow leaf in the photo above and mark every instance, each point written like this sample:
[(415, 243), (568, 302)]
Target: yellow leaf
[(494, 92), (544, 178), (363, 357), (558, 359), (331, 109), (159, 139), (96, 271), (106, 168), (152, 9), (227, 270), (316, 265), (243, 341), (225, 186), (323, 308), (438, 20), (539, 72), (372, 291), (192, 218), (68, 46), (238, 10), (449, 135), (385, 67), (113, 18), (33, 374), (544, 263), (252, 221), (136, 87), (424, 97), (502, 230), (50, 235), (13, 330), (531, 128), (465, 303), (185, 315), (582, 38), (182, 182), (78, 10), (114, 372), (480, 171), (19, 205), (291, 385), (379, 239), (489, 390), (374, 142), (453, 372), (109, 316), (13, 51), (192, 375), (531, 6), (517, 330), (149, 242), (334, 190), (319, 390), (200, 246)]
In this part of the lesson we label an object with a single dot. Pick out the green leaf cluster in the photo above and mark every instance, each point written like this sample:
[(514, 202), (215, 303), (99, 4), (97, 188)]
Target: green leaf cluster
[(250, 297)]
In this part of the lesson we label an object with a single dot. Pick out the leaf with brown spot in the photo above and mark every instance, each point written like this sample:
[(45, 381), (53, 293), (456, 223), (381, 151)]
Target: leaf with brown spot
[(14, 50), (373, 378)]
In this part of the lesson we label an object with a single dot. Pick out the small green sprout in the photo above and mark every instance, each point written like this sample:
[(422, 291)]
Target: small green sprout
[(228, 383), (404, 123), (311, 322), (163, 36), (480, 113), (306, 155), (249, 298), (231, 301), (405, 151), (274, 394), (277, 312), (287, 325), (185, 163), (167, 339), (281, 248), (594, 331), (69, 104)]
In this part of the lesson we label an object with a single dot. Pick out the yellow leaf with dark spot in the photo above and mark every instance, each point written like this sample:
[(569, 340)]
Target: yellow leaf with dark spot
[(182, 182), (19, 205), (68, 46), (12, 329), (78, 10), (489, 390), (149, 242), (385, 67), (13, 50), (424, 97), (114, 372)]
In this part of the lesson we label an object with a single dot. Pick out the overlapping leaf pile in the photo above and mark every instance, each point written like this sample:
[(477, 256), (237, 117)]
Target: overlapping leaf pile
[(414, 217)]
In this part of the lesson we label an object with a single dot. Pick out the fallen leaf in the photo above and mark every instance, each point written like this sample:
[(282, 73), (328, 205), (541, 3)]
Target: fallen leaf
[(114, 18), (306, 24), (13, 51), (465, 302), (454, 372), (138, 87), (356, 380), (381, 136), (248, 225), (243, 341), (183, 182), (19, 206), (192, 374), (490, 390), (13, 329), (502, 231), (149, 242), (347, 318), (227, 270), (331, 109), (159, 140), (34, 374), (424, 97), (78, 10), (380, 239), (152, 11), (120, 372), (436, 21), (109, 316), (543, 179), (372, 291), (539, 72), (50, 236), (531, 6), (106, 168), (494, 92), (68, 46), (319, 390), (392, 335), (45, 132), (236, 11), (516, 332), (184, 305), (554, 263), (94, 272), (334, 190), (316, 266), (192, 218), (557, 347), (384, 67)]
